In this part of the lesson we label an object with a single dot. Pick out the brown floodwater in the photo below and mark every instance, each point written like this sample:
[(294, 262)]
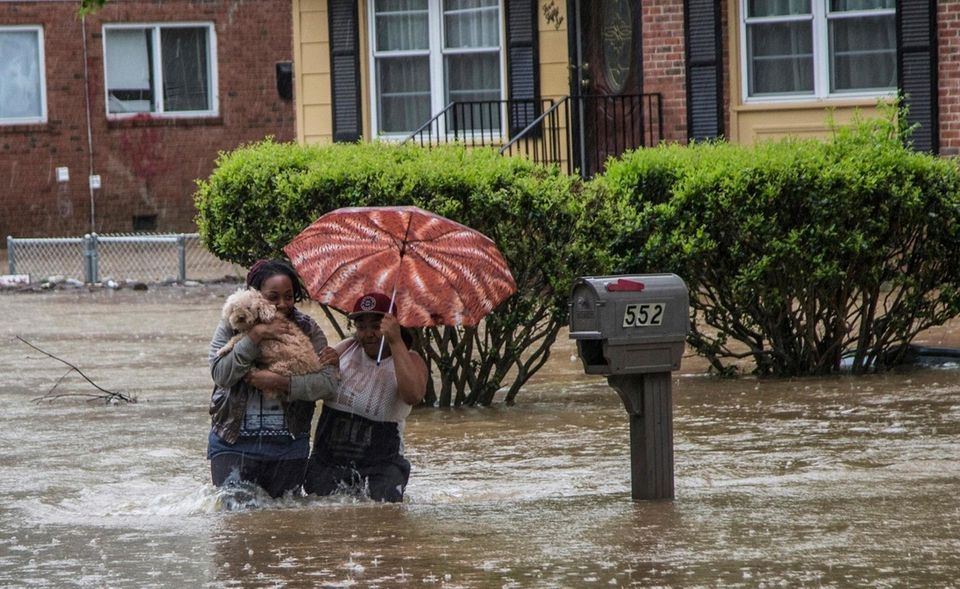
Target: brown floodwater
[(812, 482)]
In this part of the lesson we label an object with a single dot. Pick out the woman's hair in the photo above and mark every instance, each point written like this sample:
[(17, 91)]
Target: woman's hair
[(264, 269)]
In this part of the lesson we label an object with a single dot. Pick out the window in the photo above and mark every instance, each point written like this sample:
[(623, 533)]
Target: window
[(164, 69), (23, 93), (819, 48), (429, 53)]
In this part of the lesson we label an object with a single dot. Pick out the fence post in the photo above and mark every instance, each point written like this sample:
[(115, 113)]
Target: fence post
[(182, 256), (90, 269), (11, 256), (86, 258)]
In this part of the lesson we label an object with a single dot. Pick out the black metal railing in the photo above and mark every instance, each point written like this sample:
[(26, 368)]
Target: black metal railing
[(478, 123), (612, 125), (578, 133), (546, 140)]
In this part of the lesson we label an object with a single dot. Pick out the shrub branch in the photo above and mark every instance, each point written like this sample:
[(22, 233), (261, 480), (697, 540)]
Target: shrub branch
[(105, 395)]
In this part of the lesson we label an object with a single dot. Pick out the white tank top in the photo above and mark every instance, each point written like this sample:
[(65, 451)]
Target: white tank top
[(367, 389)]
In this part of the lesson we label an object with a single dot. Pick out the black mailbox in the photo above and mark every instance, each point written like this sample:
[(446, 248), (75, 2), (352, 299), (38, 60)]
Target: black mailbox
[(285, 79)]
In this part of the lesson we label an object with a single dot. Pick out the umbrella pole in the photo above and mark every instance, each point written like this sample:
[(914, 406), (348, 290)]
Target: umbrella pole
[(393, 296), (389, 310)]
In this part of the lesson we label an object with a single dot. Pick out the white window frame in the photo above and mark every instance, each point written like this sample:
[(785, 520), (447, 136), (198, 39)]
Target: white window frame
[(213, 89), (41, 65), (819, 18), (437, 53)]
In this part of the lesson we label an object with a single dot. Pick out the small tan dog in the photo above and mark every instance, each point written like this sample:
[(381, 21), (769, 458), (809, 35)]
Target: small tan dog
[(291, 354)]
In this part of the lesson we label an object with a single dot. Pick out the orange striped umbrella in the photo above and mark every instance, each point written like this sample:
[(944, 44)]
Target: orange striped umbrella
[(440, 272)]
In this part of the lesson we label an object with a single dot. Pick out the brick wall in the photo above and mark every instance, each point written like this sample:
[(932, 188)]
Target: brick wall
[(948, 32), (147, 167), (664, 64), (664, 68)]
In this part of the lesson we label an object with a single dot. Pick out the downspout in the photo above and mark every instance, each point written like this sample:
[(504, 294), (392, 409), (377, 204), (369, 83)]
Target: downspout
[(86, 98)]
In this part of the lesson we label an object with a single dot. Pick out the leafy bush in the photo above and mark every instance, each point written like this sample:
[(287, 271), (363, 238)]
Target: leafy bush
[(260, 196), (799, 251)]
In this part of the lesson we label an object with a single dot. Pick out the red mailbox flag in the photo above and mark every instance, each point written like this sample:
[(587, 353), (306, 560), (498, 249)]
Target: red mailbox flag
[(625, 285)]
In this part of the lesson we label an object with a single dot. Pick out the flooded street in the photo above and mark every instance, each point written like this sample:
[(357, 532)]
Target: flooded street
[(826, 482)]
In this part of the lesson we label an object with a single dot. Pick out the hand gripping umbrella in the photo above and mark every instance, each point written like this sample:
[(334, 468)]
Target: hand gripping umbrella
[(444, 272)]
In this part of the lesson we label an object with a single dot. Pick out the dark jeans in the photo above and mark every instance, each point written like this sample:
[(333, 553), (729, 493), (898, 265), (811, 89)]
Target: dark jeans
[(358, 456), (380, 482), (276, 477)]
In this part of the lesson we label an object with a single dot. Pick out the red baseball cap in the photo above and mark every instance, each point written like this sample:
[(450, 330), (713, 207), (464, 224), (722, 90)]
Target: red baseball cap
[(374, 303)]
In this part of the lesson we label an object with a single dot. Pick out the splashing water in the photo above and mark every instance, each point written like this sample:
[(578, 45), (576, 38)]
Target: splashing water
[(804, 482)]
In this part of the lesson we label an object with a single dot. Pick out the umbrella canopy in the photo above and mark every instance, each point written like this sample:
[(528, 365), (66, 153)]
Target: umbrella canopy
[(441, 272)]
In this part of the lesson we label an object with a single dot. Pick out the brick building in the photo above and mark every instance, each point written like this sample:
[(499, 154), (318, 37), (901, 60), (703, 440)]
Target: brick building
[(142, 95), (676, 69), (109, 96)]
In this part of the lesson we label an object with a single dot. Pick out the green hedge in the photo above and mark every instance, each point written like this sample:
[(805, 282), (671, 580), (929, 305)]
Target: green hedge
[(260, 196), (797, 251)]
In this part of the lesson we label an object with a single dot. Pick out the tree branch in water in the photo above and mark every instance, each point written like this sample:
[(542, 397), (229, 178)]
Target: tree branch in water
[(105, 395)]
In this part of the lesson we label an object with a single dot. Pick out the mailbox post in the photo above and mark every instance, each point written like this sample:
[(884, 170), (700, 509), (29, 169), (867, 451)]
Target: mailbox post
[(632, 329)]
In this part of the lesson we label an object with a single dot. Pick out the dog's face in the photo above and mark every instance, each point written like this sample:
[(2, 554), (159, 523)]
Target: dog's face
[(245, 308)]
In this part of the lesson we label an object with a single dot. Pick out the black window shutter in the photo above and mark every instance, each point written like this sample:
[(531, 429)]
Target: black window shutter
[(704, 69), (917, 69), (523, 81), (345, 70)]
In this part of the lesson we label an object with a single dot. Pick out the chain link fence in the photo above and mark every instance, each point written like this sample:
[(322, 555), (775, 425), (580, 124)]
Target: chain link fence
[(134, 257)]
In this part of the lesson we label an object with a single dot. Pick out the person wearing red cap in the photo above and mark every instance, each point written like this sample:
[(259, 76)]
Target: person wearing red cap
[(358, 443)]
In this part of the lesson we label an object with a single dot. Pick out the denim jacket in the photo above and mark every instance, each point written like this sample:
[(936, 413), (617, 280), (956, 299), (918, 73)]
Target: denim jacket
[(228, 403)]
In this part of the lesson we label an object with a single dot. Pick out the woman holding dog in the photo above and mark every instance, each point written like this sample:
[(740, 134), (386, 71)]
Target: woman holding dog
[(358, 446), (260, 431)]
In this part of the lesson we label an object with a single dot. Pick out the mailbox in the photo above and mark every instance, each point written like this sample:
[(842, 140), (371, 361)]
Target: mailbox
[(629, 324), (632, 330)]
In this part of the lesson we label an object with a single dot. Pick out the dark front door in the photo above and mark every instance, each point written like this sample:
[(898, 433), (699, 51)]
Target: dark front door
[(608, 82)]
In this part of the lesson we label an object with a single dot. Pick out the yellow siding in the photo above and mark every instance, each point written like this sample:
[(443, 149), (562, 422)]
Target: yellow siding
[(759, 123), (318, 122), (554, 60), (553, 79), (297, 72), (314, 25), (750, 123), (747, 123), (318, 86), (364, 71), (316, 59), (312, 67)]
